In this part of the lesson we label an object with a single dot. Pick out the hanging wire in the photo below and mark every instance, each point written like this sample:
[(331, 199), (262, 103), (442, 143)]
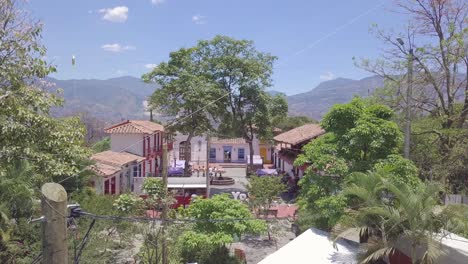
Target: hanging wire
[(84, 242)]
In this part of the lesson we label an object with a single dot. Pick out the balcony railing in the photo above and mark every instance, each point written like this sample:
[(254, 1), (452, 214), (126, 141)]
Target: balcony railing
[(154, 151)]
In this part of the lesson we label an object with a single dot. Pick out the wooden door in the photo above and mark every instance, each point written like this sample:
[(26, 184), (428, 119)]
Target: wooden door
[(263, 154)]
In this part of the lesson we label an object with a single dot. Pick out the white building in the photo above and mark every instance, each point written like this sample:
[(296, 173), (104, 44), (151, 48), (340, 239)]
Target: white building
[(289, 145), (136, 153), (197, 149), (230, 150)]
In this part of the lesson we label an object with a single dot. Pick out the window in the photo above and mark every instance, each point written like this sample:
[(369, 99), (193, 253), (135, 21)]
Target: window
[(212, 153), (137, 170), (182, 154), (240, 154)]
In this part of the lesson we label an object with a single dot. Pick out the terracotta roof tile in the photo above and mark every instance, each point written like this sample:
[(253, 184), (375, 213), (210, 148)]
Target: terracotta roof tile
[(134, 127), (116, 158), (228, 141), (105, 169), (300, 134)]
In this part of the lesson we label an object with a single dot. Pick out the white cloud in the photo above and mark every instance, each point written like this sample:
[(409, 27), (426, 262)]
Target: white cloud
[(150, 66), (117, 14), (116, 47), (327, 76), (198, 19), (157, 2)]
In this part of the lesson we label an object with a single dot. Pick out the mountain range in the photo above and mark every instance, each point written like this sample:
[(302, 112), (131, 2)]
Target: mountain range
[(122, 98)]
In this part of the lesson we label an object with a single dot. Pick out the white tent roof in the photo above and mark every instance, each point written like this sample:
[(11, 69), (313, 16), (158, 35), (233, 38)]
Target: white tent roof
[(313, 246)]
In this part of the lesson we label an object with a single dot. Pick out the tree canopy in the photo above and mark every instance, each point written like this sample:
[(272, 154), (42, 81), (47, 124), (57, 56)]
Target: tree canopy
[(27, 131), (360, 134), (435, 44)]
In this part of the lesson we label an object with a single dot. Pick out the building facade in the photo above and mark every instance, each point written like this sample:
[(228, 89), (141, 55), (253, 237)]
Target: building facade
[(222, 150), (289, 145), (136, 153)]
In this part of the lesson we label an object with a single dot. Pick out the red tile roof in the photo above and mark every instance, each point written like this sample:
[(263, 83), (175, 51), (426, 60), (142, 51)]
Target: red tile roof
[(105, 169), (134, 127), (300, 134), (111, 162)]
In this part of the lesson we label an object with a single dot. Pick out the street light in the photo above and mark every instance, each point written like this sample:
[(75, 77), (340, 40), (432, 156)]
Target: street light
[(409, 93)]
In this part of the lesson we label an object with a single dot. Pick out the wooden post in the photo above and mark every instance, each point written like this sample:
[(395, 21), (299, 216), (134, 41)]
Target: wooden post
[(54, 228), (164, 212), (208, 164)]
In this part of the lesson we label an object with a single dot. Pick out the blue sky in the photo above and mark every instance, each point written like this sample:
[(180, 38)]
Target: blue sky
[(314, 40)]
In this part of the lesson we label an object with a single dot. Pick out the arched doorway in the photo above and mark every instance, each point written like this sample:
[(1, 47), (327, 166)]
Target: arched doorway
[(182, 154)]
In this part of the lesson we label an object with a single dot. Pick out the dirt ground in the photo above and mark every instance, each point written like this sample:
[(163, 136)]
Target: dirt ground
[(256, 248)]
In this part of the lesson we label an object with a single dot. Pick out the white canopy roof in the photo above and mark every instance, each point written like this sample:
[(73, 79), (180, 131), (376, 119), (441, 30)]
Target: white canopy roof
[(313, 246)]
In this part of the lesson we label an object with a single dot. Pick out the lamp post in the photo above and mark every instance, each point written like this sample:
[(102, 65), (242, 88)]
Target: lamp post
[(409, 93)]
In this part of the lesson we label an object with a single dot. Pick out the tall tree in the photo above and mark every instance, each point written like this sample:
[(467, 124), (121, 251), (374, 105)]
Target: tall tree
[(53, 147), (186, 94), (359, 135), (242, 73), (435, 42)]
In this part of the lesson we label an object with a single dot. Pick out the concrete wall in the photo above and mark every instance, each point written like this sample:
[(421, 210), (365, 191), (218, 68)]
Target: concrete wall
[(132, 143)]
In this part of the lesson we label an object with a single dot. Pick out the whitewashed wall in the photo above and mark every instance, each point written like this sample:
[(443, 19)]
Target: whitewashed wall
[(132, 143), (198, 150)]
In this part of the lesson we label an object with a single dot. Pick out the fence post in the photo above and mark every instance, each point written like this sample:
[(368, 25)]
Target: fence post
[(54, 228)]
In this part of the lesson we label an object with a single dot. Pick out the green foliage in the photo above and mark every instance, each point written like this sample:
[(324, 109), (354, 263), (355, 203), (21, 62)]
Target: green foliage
[(289, 122), (319, 203), (364, 132), (205, 241), (241, 74), (264, 190), (441, 154), (457, 219), (223, 207), (401, 171), (102, 145), (206, 248), (195, 78), (359, 135), (127, 203), (384, 212), (154, 187), (27, 131)]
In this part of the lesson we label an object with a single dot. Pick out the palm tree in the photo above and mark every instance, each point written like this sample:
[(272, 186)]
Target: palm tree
[(388, 215)]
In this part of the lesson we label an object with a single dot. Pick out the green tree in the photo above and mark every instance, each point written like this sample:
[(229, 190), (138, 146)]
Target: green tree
[(262, 192), (241, 74), (186, 94), (403, 171), (388, 213), (364, 132), (102, 145), (212, 236), (27, 131), (435, 43), (359, 135), (290, 122)]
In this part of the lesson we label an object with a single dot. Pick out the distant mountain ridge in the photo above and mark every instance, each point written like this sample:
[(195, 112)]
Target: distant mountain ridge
[(111, 100), (316, 102), (123, 98)]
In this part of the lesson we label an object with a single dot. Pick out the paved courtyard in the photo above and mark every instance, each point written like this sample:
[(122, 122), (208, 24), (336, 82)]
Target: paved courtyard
[(240, 180)]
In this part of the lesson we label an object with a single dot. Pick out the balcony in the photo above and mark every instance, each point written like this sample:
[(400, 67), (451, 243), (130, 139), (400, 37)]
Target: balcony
[(153, 151)]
